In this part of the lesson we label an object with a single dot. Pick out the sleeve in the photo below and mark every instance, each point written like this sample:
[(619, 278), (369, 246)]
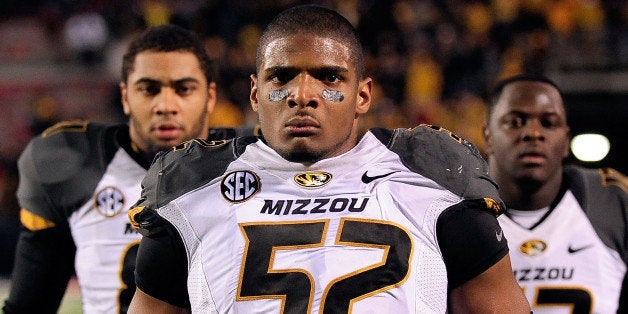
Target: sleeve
[(44, 262), (470, 240), (44, 258), (161, 266)]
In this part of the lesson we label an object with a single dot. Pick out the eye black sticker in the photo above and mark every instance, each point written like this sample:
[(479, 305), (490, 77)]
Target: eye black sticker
[(333, 95), (278, 95)]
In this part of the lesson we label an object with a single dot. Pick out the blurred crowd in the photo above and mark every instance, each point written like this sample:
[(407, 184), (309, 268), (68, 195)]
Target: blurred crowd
[(433, 61)]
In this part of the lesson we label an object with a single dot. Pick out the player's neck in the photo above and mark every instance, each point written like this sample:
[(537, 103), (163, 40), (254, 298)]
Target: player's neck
[(144, 158), (531, 195)]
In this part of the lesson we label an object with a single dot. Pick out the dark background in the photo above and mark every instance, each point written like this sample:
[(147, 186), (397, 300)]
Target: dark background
[(605, 113)]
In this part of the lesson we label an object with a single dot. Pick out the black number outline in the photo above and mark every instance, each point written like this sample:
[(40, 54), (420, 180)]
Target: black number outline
[(294, 287), (579, 299), (127, 276)]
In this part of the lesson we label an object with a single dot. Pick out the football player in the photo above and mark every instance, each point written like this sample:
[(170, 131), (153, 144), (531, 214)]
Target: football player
[(78, 179), (566, 225), (313, 219)]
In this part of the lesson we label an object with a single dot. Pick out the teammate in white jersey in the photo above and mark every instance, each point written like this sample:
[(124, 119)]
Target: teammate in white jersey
[(78, 179), (309, 218), (566, 226)]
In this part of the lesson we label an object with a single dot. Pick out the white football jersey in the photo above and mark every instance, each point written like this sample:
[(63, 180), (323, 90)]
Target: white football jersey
[(562, 263), (354, 233), (77, 183), (78, 180), (104, 239)]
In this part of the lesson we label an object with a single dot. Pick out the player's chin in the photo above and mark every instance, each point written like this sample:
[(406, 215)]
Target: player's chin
[(301, 150), (533, 174), (168, 143), (302, 144)]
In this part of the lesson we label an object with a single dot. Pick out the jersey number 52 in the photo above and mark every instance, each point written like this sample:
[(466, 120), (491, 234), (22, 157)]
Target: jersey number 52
[(295, 287)]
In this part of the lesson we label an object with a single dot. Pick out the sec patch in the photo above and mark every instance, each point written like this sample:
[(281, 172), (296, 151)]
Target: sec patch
[(109, 201)]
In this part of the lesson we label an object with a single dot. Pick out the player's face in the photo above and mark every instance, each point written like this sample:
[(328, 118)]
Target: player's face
[(527, 136), (308, 97), (167, 98)]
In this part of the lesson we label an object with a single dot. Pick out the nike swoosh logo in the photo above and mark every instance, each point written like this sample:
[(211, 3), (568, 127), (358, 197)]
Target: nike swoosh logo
[(368, 179), (499, 235), (574, 250)]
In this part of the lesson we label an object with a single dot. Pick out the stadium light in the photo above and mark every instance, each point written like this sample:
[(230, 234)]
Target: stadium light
[(590, 147)]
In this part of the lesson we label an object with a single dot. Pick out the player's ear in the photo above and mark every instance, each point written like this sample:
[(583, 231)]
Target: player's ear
[(124, 97), (486, 134), (211, 96), (567, 143), (254, 96), (364, 97)]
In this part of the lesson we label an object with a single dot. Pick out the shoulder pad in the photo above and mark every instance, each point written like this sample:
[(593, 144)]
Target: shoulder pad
[(611, 176), (439, 154), (186, 167), (593, 187), (602, 195), (60, 168), (62, 150)]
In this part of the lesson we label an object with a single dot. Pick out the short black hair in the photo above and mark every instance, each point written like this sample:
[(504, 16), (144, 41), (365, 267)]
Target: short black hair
[(168, 38), (497, 90), (313, 19)]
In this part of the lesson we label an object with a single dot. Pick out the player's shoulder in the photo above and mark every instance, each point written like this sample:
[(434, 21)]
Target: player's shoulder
[(66, 147), (596, 177), (429, 141), (442, 156), (190, 165), (73, 134), (601, 184), (601, 193), (198, 152)]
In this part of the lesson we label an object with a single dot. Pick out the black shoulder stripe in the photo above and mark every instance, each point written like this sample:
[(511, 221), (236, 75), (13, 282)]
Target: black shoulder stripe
[(603, 203), (592, 186), (57, 176), (188, 166), (444, 157)]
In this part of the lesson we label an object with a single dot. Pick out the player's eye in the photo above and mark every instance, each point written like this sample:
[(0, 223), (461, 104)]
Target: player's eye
[(329, 76), (280, 76), (551, 122), (184, 89), (514, 122), (150, 89), (279, 79), (332, 78)]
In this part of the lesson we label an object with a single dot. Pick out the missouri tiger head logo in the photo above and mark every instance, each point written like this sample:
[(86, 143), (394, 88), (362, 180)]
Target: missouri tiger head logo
[(532, 247), (109, 201), (312, 178)]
